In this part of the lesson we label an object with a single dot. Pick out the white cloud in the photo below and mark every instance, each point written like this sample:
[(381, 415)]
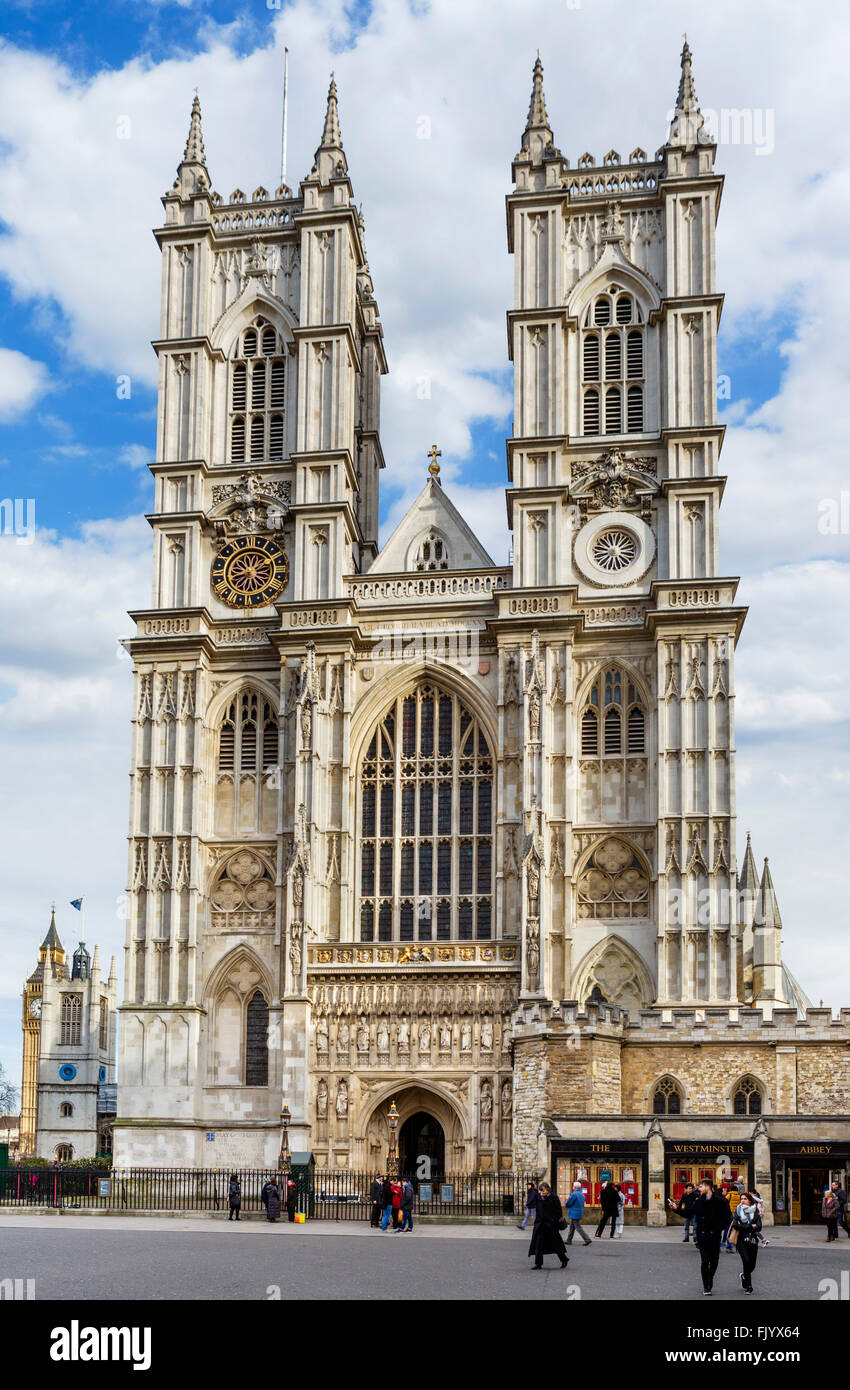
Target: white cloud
[(22, 382)]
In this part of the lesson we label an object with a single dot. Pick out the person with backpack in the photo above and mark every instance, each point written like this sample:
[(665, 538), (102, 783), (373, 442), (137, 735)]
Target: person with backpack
[(234, 1196)]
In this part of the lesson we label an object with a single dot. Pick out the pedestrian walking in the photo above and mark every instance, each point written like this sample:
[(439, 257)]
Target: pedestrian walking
[(610, 1203), (234, 1196), (575, 1212), (842, 1205), (291, 1198), (711, 1218), (685, 1208), (386, 1202), (746, 1223), (375, 1199), (530, 1205), (830, 1210), (546, 1238), (407, 1195), (757, 1198), (733, 1197), (270, 1197), (621, 1207), (396, 1186)]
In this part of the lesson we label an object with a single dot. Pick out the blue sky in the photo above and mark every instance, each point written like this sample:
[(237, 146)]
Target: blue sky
[(79, 295)]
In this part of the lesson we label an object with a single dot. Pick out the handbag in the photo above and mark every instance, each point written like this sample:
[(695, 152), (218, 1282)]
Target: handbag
[(562, 1225), (732, 1235)]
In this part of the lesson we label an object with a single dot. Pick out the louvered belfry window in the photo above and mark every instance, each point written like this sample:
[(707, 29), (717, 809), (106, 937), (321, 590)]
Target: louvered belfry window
[(258, 396), (613, 719), (248, 736), (70, 1020), (613, 355), (426, 823)]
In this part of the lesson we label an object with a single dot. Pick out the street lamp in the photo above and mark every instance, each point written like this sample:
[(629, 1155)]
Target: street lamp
[(284, 1158), (392, 1152)]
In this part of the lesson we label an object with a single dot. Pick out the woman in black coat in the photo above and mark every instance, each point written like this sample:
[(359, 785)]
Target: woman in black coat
[(234, 1196), (747, 1222), (546, 1238)]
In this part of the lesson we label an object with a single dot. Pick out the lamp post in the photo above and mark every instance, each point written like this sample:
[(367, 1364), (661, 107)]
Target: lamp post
[(392, 1152), (284, 1158)]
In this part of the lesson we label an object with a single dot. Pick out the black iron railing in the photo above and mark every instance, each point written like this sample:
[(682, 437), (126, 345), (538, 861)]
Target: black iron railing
[(330, 1194)]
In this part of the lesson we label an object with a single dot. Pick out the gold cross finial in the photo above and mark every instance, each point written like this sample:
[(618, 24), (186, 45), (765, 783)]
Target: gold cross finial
[(433, 467)]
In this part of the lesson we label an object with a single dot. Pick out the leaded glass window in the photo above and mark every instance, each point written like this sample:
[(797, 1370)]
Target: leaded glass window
[(426, 824)]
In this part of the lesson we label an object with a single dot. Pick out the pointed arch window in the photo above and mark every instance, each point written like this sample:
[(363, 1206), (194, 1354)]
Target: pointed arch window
[(667, 1097), (248, 735), (616, 355), (747, 1099), (257, 1041), (258, 395), (425, 853), (70, 1020), (613, 714)]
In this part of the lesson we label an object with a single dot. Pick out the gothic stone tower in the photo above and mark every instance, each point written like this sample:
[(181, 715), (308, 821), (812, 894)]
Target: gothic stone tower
[(270, 359)]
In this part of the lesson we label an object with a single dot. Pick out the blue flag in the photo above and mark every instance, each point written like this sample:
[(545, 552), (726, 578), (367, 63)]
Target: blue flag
[(77, 903)]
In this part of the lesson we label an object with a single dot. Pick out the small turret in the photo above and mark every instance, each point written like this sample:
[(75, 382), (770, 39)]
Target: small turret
[(538, 142), (687, 128), (192, 173), (330, 162), (767, 944), (81, 964)]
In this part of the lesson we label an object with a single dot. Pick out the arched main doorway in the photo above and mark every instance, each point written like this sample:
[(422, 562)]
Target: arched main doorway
[(422, 1146)]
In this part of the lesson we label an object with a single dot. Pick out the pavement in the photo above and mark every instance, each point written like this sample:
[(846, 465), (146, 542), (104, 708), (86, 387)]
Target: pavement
[(85, 1255)]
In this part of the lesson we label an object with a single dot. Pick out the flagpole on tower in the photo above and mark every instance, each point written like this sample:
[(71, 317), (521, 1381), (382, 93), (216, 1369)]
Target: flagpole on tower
[(285, 109)]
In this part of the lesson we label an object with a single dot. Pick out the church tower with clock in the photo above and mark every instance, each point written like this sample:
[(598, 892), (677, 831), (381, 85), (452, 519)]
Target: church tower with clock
[(410, 827)]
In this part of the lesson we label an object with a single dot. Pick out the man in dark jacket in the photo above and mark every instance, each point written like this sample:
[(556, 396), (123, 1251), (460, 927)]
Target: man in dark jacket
[(375, 1199), (234, 1196), (386, 1203), (711, 1218), (685, 1208), (610, 1208)]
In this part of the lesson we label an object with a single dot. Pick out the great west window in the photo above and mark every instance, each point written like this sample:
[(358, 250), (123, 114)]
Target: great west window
[(426, 823)]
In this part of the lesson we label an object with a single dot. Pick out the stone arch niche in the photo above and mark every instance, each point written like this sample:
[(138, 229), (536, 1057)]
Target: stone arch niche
[(612, 972), (372, 1134), (231, 987)]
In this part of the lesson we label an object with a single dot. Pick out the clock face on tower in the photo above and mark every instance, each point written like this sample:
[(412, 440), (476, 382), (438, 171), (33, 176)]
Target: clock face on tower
[(35, 1008), (249, 571)]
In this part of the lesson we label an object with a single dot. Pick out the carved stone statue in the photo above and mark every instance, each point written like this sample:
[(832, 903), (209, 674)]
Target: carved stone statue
[(343, 1037), (486, 1100), (322, 1100), (403, 1036), (383, 1036), (321, 1034), (507, 1100), (425, 1036), (487, 1035), (466, 1036), (532, 954), (533, 883), (445, 1036), (362, 1036), (296, 936), (342, 1099)]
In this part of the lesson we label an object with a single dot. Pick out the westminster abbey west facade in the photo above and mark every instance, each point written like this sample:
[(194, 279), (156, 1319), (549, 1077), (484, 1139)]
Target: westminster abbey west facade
[(412, 825)]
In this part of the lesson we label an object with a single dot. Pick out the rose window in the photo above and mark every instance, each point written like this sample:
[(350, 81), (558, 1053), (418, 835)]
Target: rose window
[(614, 550)]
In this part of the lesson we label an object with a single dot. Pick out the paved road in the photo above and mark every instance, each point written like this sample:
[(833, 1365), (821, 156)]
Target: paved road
[(78, 1258)]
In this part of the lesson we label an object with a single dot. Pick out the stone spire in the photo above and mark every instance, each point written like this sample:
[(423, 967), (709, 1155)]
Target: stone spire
[(768, 907), (767, 945), (330, 161), (687, 126), (112, 974), (192, 173), (748, 879), (537, 138)]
